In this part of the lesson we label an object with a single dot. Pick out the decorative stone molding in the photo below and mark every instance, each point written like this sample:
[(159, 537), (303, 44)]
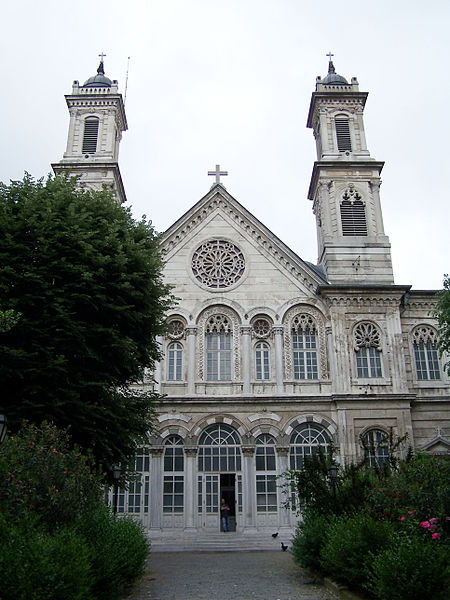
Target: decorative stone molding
[(362, 301), (262, 239), (248, 450), (282, 450), (302, 313), (232, 323), (318, 419), (191, 451)]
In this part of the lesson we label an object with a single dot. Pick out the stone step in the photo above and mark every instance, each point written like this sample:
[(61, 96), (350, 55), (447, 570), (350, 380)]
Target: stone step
[(223, 542)]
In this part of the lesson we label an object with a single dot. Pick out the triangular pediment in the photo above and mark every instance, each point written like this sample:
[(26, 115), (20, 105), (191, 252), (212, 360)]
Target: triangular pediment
[(438, 445), (218, 204)]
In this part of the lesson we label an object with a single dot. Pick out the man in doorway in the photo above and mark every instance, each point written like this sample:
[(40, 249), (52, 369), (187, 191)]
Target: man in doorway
[(225, 512)]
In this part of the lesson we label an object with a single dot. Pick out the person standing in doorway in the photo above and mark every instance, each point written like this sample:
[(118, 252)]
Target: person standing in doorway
[(225, 512)]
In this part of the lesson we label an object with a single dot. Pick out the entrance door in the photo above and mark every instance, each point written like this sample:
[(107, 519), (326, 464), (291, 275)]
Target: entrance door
[(228, 493)]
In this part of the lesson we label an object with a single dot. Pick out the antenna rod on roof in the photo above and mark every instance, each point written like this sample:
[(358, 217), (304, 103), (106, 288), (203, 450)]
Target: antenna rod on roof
[(126, 82)]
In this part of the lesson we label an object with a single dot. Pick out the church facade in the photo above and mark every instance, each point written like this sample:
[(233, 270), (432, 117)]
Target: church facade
[(268, 356)]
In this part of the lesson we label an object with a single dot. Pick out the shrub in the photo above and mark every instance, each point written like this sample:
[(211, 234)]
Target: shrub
[(118, 548), (36, 565), (411, 569), (309, 539), (350, 541), (41, 473)]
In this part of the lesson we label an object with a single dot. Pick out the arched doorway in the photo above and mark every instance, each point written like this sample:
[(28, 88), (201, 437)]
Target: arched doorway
[(219, 476)]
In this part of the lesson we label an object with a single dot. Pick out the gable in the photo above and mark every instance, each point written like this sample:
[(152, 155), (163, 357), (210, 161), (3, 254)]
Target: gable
[(219, 213)]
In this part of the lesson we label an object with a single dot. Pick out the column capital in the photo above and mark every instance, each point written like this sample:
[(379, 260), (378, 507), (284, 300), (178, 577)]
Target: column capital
[(191, 451), (191, 331), (282, 450), (246, 330), (278, 329), (248, 450), (156, 450)]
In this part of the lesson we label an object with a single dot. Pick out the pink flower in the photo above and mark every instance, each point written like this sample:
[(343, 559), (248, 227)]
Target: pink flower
[(402, 518), (425, 524), (433, 521), (435, 536), (410, 512)]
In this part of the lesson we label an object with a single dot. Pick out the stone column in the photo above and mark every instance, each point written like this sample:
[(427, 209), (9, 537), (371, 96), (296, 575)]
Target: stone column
[(331, 358), (249, 489), (278, 333), (155, 487), (190, 487), (158, 367), (282, 467), (191, 333), (246, 358)]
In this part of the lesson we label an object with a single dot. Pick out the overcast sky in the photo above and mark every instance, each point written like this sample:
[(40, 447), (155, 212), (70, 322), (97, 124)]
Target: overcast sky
[(229, 82)]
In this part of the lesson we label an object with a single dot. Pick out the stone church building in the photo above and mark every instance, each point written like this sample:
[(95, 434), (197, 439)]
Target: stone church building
[(267, 355)]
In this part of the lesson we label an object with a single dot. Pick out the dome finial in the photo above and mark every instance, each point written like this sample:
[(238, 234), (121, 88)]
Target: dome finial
[(331, 68), (101, 66)]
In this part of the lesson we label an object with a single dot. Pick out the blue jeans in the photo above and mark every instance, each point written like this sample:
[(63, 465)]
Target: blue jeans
[(226, 523)]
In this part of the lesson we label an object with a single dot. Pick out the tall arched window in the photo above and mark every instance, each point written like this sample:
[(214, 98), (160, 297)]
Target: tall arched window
[(426, 353), (376, 447), (262, 361), (173, 487), (367, 340), (90, 135), (266, 474), (219, 449), (304, 347), (344, 141), (175, 362), (305, 440), (218, 335), (353, 213)]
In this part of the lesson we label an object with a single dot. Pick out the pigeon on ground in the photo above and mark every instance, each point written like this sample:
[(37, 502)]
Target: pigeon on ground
[(284, 547), (274, 535)]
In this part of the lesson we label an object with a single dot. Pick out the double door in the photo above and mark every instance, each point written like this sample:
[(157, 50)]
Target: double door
[(212, 487)]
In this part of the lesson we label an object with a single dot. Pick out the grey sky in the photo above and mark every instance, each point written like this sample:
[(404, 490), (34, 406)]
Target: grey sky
[(230, 82)]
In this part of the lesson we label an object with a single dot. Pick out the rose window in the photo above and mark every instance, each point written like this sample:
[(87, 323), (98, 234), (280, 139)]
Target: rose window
[(176, 329), (218, 264), (261, 328)]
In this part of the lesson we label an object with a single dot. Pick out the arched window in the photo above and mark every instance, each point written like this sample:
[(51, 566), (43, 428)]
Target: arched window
[(219, 449), (173, 488), (90, 135), (426, 353), (262, 361), (353, 214), (304, 347), (305, 440), (218, 334), (175, 362), (344, 141), (266, 476), (367, 340), (376, 447)]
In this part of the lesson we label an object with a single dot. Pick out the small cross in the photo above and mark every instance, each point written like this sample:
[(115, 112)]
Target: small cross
[(102, 56), (218, 173), (330, 54)]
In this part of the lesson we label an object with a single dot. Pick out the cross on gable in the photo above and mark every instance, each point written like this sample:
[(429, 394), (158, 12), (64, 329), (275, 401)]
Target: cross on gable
[(218, 173)]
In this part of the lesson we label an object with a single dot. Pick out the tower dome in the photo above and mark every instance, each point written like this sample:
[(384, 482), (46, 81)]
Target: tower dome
[(99, 80), (333, 78)]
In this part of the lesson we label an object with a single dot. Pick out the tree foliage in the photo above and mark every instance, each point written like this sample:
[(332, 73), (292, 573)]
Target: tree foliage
[(86, 280), (442, 313)]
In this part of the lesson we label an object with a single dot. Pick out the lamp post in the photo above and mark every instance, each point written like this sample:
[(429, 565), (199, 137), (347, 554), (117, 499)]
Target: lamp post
[(3, 425), (117, 471), (333, 473)]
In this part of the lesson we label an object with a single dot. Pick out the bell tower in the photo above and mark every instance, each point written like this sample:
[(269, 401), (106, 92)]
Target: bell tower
[(97, 120), (345, 185)]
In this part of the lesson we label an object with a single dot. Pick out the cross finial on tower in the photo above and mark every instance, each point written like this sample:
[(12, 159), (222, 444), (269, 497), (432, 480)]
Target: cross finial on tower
[(218, 173), (330, 64), (101, 68)]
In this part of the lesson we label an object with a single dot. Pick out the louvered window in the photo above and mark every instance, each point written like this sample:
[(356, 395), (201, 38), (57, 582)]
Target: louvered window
[(344, 141), (353, 218), (90, 135)]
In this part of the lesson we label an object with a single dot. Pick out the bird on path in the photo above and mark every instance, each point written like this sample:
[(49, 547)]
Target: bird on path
[(274, 535), (284, 547)]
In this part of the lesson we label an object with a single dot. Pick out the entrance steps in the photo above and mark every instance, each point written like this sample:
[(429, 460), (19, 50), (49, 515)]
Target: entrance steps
[(231, 541)]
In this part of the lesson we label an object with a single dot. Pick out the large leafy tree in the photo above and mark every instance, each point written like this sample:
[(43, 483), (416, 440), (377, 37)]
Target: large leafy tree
[(81, 284), (442, 313)]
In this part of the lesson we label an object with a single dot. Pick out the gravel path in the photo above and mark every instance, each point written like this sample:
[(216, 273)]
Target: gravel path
[(226, 576)]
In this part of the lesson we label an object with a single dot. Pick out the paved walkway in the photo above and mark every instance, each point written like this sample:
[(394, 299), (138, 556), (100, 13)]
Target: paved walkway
[(226, 576)]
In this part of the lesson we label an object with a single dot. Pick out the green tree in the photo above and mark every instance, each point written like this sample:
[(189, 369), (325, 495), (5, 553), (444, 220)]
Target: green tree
[(442, 313), (86, 280)]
